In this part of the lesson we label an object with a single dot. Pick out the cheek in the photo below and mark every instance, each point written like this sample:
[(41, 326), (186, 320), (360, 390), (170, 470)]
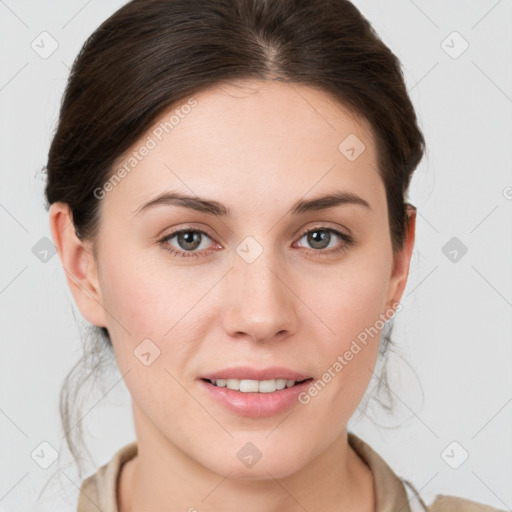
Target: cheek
[(350, 303), (145, 300), (350, 306), (152, 329), (158, 304)]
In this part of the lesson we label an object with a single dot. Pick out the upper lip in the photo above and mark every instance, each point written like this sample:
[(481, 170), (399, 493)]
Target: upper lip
[(250, 373)]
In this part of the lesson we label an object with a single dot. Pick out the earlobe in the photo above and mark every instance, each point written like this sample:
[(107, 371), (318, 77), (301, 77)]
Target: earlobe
[(78, 263)]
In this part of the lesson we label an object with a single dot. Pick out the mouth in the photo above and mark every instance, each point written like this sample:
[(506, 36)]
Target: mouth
[(253, 392), (256, 386)]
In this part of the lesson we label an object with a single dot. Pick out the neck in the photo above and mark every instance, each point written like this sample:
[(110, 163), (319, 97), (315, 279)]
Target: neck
[(162, 477)]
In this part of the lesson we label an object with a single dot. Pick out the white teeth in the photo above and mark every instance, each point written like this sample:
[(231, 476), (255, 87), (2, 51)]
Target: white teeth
[(267, 386), (248, 386), (254, 386), (280, 383), (233, 384)]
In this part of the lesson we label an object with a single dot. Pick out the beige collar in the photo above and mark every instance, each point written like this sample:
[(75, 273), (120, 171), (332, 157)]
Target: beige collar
[(390, 493)]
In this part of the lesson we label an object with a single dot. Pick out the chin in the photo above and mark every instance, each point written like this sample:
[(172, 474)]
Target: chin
[(248, 463), (260, 472)]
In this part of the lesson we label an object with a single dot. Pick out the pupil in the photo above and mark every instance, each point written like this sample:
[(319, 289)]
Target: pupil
[(189, 239), (317, 239)]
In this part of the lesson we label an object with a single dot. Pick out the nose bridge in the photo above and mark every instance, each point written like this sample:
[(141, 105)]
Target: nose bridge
[(260, 304), (260, 282)]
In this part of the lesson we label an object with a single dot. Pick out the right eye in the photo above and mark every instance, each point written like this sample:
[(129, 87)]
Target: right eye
[(188, 240)]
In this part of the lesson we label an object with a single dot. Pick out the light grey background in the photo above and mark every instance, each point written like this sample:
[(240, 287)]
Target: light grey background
[(455, 328)]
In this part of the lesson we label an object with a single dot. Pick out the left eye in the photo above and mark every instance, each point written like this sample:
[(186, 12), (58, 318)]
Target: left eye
[(320, 238)]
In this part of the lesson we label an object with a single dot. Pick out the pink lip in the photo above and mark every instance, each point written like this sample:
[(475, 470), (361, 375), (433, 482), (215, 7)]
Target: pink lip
[(246, 372), (256, 405)]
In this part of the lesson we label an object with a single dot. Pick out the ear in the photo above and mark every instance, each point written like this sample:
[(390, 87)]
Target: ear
[(402, 260), (78, 264)]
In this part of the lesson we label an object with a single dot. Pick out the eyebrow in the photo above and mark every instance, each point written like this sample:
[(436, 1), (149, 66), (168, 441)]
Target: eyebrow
[(215, 208)]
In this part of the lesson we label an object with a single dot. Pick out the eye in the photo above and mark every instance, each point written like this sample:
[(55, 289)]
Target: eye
[(192, 242), (188, 241), (320, 238)]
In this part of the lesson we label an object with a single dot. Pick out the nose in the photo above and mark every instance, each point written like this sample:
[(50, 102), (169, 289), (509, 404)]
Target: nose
[(261, 305)]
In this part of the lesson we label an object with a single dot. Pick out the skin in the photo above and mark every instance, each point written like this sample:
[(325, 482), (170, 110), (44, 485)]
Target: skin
[(257, 147)]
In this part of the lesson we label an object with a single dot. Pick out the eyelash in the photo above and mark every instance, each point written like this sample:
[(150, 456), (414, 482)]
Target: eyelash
[(348, 242)]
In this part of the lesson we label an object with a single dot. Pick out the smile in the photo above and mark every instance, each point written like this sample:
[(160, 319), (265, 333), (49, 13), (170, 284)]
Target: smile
[(254, 386)]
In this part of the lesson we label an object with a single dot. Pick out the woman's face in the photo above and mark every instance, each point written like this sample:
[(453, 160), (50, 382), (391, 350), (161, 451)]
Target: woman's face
[(244, 292)]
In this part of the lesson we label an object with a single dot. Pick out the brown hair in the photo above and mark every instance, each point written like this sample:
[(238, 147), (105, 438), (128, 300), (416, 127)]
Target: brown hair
[(152, 54)]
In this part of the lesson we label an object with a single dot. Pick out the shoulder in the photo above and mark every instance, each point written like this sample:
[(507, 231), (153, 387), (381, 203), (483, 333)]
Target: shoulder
[(444, 503), (99, 490), (392, 491), (89, 491)]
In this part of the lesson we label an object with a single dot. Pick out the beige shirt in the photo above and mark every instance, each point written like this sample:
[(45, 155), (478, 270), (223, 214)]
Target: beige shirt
[(99, 491)]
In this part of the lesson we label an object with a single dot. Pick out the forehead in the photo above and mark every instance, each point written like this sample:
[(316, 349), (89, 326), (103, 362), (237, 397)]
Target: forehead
[(263, 139)]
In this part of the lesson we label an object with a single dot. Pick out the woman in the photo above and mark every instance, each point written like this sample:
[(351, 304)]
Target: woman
[(228, 188)]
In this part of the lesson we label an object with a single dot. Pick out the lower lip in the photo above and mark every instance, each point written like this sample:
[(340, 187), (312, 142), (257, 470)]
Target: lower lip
[(256, 405)]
